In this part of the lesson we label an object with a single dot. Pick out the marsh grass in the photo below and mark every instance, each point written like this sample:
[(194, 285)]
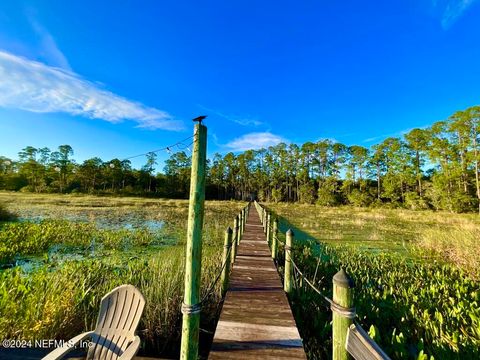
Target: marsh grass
[(430, 235), (415, 306), (61, 298), (460, 245)]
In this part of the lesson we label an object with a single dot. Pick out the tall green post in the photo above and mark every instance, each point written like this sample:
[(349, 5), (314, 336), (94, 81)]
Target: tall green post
[(193, 264), (287, 286), (343, 314), (236, 239), (227, 253), (275, 239)]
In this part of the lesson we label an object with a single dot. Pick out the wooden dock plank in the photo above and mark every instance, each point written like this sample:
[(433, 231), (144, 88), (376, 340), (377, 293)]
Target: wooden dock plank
[(256, 320)]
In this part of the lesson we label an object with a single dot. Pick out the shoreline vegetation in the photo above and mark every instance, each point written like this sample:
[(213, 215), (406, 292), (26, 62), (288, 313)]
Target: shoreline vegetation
[(436, 167), (417, 289)]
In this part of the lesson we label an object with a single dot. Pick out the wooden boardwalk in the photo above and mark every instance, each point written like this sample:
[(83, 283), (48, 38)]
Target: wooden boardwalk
[(256, 321)]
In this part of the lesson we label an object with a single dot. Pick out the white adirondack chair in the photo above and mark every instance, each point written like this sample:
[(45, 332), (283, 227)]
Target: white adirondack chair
[(114, 335)]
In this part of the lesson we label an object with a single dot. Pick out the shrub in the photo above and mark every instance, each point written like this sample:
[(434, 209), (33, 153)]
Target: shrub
[(414, 202), (328, 193), (359, 198), (307, 193)]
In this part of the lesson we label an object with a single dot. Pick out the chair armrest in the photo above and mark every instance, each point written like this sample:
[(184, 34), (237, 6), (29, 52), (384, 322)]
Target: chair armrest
[(132, 349), (68, 346)]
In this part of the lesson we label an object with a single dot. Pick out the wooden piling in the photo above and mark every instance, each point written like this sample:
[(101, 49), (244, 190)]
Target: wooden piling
[(244, 218), (227, 254), (268, 228), (342, 296), (241, 225), (287, 286), (193, 263), (275, 239), (264, 221), (236, 239)]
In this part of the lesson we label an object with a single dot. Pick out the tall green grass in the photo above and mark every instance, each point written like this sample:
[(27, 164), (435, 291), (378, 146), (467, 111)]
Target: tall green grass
[(58, 304), (60, 299)]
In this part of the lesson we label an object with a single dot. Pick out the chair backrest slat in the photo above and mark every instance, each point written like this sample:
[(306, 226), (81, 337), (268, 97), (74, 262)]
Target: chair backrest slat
[(120, 313)]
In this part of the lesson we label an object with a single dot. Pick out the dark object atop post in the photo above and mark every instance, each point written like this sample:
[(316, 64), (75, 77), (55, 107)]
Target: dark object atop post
[(199, 119)]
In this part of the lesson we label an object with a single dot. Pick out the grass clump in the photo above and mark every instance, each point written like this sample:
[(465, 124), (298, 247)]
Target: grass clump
[(459, 246)]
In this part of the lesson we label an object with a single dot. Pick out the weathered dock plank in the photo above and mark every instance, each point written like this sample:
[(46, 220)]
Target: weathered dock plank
[(256, 320)]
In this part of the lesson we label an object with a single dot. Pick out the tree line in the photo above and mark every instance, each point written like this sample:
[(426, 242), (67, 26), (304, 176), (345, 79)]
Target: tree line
[(435, 167)]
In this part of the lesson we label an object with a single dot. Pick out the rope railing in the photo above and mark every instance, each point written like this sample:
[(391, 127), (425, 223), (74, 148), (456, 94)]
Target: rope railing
[(343, 311), (348, 336), (211, 289)]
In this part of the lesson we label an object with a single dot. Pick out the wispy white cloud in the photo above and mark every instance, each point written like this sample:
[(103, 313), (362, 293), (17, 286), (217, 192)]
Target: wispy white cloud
[(33, 86), (48, 46), (395, 134), (241, 120), (254, 141), (450, 10)]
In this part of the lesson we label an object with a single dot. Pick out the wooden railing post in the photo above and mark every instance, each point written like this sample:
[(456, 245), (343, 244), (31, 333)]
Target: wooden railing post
[(287, 286), (264, 217), (244, 212), (227, 254), (268, 228), (275, 239), (240, 228), (193, 264), (236, 239), (342, 319)]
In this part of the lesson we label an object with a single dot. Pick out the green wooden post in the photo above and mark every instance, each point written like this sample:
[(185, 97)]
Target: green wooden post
[(244, 222), (275, 239), (287, 286), (268, 228), (342, 296), (265, 214), (236, 239), (240, 226), (193, 263), (227, 254)]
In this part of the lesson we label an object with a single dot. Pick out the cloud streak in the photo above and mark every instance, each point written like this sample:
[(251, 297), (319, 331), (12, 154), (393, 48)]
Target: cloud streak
[(451, 10), (48, 45), (241, 120), (396, 134), (36, 87), (254, 141)]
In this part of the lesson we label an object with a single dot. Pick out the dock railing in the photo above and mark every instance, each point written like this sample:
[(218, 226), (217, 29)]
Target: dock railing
[(349, 338)]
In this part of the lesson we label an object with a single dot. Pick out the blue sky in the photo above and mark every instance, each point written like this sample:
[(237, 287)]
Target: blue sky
[(118, 78)]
